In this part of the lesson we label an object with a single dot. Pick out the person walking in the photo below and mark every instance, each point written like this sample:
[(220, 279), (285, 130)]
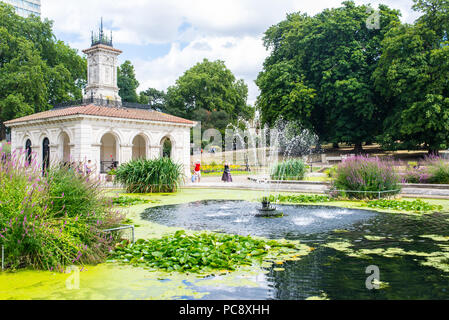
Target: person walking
[(227, 173)]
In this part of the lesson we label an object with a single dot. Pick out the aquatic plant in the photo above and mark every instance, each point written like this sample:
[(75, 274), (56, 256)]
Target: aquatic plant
[(403, 205), (199, 253), (293, 169), (148, 176), (364, 177), (300, 198), (45, 224), (124, 201)]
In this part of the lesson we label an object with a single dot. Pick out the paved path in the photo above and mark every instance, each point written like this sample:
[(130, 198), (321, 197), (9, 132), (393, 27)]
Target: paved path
[(242, 182)]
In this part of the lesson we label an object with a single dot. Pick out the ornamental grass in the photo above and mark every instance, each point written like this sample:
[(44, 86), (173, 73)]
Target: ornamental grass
[(293, 169), (150, 176), (53, 220)]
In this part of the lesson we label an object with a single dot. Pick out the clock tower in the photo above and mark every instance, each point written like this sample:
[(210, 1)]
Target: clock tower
[(102, 68)]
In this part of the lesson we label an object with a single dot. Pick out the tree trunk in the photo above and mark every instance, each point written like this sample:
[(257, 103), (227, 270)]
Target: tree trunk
[(433, 153), (2, 131), (358, 148)]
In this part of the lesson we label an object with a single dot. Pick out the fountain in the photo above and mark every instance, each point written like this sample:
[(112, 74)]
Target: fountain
[(287, 139), (268, 210)]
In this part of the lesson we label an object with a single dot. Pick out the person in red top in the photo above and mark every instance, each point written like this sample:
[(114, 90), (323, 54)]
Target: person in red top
[(198, 170)]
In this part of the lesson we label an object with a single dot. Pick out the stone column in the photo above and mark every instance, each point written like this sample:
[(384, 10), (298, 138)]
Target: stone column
[(96, 161), (126, 151), (36, 153), (72, 151), (54, 155), (155, 152)]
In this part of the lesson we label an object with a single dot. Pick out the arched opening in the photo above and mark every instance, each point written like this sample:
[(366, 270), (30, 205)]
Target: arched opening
[(108, 153), (166, 148), (65, 143), (139, 148), (45, 154), (29, 152)]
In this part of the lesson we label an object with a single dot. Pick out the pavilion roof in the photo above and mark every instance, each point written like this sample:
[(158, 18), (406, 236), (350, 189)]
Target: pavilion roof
[(103, 111)]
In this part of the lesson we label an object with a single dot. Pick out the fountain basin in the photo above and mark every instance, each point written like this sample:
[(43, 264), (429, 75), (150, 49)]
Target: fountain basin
[(244, 218)]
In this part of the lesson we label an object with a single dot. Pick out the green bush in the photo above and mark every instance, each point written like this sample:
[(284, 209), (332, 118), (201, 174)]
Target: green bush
[(439, 172), (52, 221), (293, 169), (148, 176), (363, 177)]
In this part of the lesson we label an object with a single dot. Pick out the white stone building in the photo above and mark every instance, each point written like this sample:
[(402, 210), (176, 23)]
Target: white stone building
[(101, 128), (25, 8)]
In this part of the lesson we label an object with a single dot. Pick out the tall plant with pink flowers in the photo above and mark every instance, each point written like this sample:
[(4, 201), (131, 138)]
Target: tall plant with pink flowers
[(364, 177), (40, 227)]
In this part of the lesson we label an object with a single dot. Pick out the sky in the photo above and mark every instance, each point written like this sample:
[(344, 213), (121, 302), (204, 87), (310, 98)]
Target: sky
[(164, 38)]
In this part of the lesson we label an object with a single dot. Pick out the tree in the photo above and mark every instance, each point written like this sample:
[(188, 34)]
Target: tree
[(413, 78), (209, 87), (319, 71), (127, 82), (36, 70), (154, 98)]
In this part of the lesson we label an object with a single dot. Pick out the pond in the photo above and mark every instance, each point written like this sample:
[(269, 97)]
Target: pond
[(411, 251)]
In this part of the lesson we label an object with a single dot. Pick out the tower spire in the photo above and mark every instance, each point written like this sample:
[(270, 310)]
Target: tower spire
[(101, 29), (101, 37)]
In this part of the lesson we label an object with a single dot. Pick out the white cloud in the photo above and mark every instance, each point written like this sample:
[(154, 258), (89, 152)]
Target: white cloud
[(243, 56), (228, 30)]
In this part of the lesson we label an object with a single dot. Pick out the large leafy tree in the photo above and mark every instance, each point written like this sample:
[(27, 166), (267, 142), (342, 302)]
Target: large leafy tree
[(413, 76), (319, 72), (36, 70), (207, 90), (154, 98), (127, 82)]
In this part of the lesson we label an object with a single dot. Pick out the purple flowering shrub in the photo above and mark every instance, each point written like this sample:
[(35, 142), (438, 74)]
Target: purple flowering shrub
[(431, 170), (416, 175), (365, 176), (44, 228)]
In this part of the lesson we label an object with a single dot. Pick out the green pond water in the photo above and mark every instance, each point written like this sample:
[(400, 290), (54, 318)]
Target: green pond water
[(411, 251)]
